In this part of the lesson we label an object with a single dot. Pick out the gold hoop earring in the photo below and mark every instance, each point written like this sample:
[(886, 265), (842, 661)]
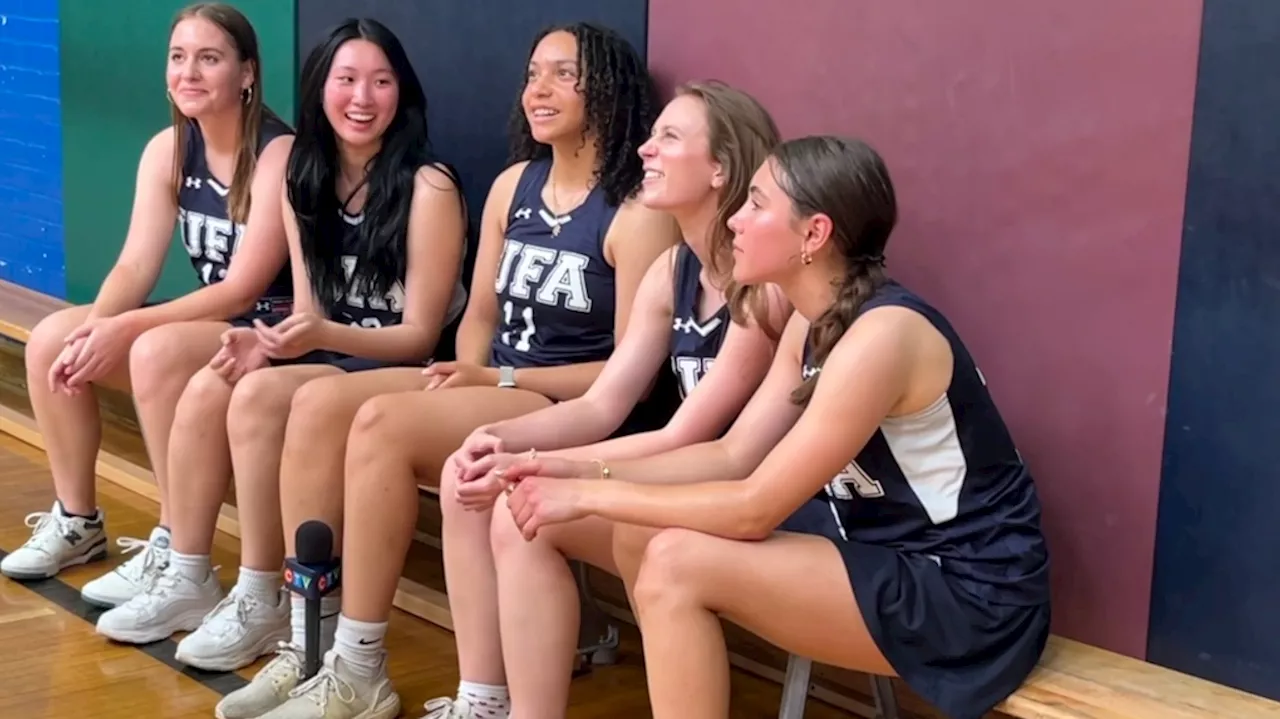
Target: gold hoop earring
[(248, 94), (805, 257)]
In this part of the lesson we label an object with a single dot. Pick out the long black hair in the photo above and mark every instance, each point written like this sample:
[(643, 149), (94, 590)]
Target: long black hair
[(621, 105), (313, 172)]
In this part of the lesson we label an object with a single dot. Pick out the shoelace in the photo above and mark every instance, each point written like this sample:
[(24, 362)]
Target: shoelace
[(42, 525), (217, 623), (319, 687), (141, 566), (446, 708), (286, 664)]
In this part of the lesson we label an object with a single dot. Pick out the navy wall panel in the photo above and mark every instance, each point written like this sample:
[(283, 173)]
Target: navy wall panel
[(1217, 572), (31, 251), (470, 56)]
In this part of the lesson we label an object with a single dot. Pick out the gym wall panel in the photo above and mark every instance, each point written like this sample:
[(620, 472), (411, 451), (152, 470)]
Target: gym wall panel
[(31, 252), (470, 56), (1040, 152), (1217, 578), (113, 98)]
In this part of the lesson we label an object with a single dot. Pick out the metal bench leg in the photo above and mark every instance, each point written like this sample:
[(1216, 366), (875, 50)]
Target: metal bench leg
[(597, 636), (795, 688), (886, 699)]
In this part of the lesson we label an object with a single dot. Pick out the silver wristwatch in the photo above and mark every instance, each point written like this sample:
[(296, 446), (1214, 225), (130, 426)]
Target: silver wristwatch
[(506, 376)]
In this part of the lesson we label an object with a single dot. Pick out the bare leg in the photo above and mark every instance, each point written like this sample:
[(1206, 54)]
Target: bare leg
[(629, 545), (397, 441), (70, 425), (792, 590), (199, 463), (315, 447), (257, 419), (539, 606), (161, 362)]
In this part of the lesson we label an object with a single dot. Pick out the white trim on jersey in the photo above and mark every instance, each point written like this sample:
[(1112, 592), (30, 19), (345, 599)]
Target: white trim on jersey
[(926, 446)]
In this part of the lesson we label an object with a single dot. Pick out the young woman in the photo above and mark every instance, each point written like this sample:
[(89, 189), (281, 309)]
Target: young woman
[(217, 171), (698, 163), (377, 234), (564, 249), (910, 538)]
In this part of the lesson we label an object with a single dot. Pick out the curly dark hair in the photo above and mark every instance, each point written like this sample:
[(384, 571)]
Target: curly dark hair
[(621, 101)]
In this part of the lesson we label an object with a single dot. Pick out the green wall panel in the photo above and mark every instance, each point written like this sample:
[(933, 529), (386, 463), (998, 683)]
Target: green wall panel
[(113, 101)]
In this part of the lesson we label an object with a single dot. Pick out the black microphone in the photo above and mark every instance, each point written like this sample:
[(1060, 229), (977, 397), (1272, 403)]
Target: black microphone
[(313, 574)]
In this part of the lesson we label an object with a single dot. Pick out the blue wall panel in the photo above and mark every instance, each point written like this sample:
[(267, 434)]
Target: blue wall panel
[(1217, 567), (31, 250)]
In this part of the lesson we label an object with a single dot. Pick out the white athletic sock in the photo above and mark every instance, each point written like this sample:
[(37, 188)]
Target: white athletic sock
[(329, 608), (360, 645), (192, 566), (487, 700), (263, 586)]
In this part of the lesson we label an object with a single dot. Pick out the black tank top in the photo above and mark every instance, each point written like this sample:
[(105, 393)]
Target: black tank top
[(371, 310), (694, 344), (946, 482), (208, 234), (555, 289)]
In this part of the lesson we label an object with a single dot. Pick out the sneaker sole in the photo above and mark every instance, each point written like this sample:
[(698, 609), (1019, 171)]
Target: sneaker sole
[(389, 708), (188, 622), (96, 555), (240, 659)]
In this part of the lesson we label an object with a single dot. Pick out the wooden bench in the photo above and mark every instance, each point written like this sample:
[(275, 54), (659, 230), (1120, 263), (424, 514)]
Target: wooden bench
[(22, 309), (1078, 681)]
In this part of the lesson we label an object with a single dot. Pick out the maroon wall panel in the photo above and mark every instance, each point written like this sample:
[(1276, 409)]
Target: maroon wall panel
[(1040, 151)]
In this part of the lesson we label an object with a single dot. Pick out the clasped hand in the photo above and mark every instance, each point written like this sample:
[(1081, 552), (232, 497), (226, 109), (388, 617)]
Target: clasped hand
[(90, 352), (245, 349)]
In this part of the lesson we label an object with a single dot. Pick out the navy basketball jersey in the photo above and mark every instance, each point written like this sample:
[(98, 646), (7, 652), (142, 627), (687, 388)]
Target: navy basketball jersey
[(209, 235), (555, 289), (946, 482), (694, 343)]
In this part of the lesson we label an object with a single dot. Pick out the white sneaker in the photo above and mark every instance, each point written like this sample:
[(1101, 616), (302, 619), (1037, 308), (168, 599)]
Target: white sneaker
[(446, 708), (171, 603), (57, 541), (238, 631), (337, 693), (119, 585), (269, 688)]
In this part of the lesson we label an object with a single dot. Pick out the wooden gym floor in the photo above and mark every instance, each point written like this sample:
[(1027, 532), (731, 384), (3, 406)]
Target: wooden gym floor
[(54, 666)]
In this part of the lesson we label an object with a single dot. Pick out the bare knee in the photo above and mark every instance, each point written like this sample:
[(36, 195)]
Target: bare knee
[(159, 364), (259, 402), (48, 338), (370, 437), (629, 544), (670, 567), (504, 535), (319, 409), (206, 394)]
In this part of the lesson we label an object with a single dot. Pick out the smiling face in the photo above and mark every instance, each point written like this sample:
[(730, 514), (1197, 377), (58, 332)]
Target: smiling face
[(552, 102), (205, 75), (361, 94), (679, 170)]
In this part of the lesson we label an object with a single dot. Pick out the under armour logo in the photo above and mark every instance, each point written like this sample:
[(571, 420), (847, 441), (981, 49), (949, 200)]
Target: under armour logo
[(193, 182), (523, 213)]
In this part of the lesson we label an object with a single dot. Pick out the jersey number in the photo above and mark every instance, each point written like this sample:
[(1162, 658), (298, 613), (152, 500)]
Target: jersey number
[(509, 316), (853, 479)]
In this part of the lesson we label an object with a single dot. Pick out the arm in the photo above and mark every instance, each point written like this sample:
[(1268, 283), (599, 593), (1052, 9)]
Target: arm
[(480, 320), (258, 259), (151, 224), (626, 376), (635, 239), (741, 365), (868, 376), (436, 236)]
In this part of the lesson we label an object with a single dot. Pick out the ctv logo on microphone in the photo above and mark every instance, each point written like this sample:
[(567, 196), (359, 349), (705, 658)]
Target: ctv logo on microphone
[(312, 581)]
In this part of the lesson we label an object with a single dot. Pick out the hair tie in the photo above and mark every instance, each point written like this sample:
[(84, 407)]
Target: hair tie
[(870, 260)]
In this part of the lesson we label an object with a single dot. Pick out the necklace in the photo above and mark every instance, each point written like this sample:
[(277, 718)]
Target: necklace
[(557, 219)]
